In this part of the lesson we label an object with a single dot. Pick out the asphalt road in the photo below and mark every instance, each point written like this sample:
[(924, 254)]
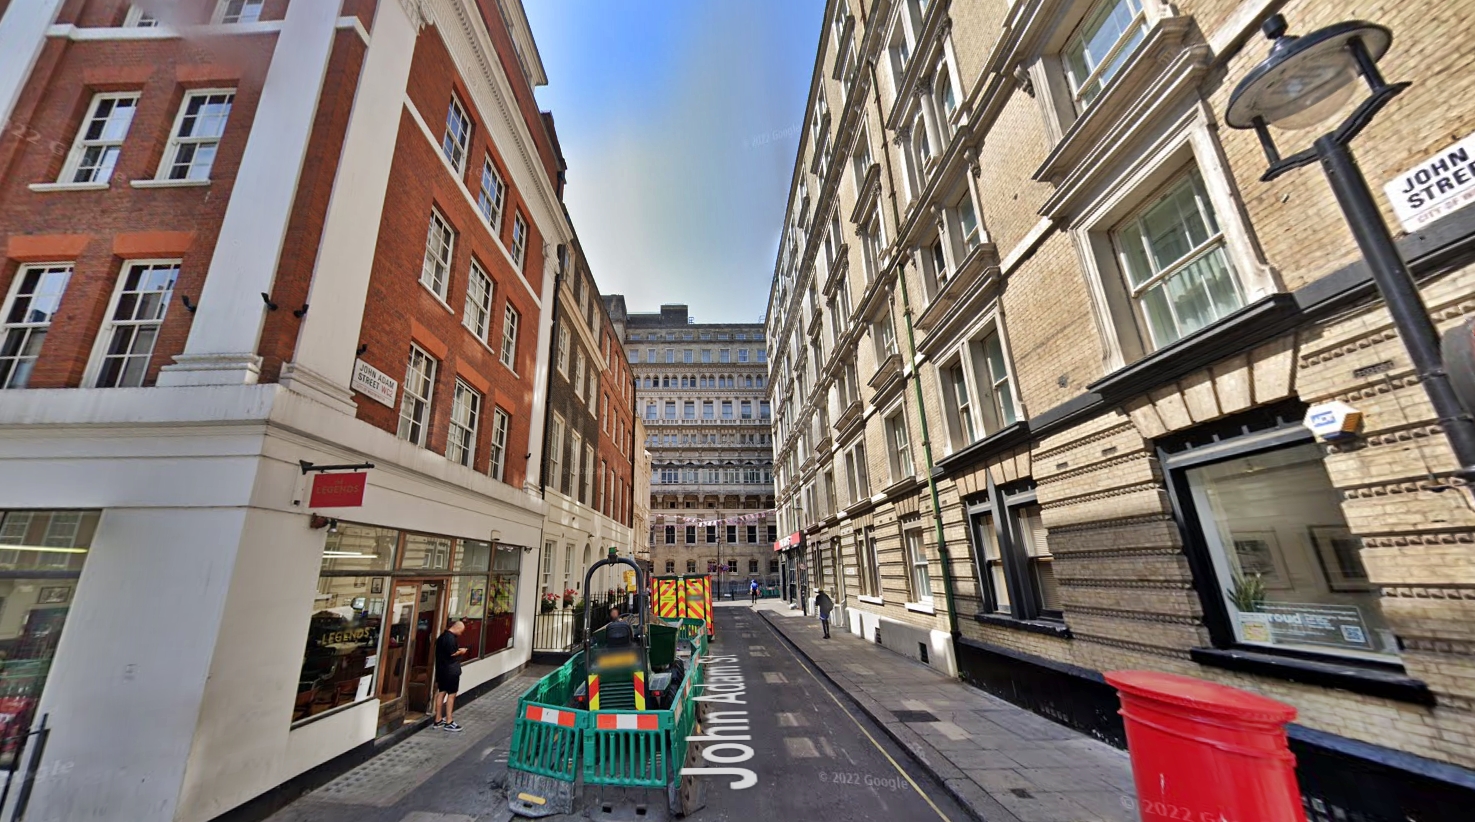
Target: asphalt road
[(816, 757)]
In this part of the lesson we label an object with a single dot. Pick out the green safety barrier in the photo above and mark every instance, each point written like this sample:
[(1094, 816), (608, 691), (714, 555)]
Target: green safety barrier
[(546, 735), (628, 757)]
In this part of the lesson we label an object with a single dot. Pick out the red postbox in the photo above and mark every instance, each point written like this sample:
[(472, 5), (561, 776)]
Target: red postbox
[(1207, 753)]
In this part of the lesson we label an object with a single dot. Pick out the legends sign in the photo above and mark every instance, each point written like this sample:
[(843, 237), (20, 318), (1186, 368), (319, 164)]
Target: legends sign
[(338, 490), (1436, 187)]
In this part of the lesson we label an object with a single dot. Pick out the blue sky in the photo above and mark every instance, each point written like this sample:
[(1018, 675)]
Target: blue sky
[(679, 120)]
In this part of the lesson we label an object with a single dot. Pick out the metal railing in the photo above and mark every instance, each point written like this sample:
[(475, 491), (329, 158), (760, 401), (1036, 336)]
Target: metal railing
[(562, 629)]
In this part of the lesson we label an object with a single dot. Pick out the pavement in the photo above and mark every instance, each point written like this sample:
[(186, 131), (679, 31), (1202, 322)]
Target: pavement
[(822, 742), (1005, 763)]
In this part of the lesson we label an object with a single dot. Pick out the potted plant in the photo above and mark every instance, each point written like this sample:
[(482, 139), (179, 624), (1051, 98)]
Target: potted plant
[(1248, 593), (568, 597), (550, 601)]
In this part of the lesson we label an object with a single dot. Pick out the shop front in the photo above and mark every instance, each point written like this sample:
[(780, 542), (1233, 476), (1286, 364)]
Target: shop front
[(793, 570), (383, 597)]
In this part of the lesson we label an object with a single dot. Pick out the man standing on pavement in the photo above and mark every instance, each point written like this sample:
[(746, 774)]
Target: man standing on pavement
[(448, 653), (753, 589), (823, 604)]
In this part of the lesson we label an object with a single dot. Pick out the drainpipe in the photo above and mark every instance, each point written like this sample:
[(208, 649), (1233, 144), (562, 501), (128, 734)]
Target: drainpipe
[(942, 550)]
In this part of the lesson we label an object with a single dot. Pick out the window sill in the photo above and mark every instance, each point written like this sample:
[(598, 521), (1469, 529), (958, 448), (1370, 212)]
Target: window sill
[(871, 600), (921, 608), (169, 183), (1370, 679), (44, 187), (1033, 626), (439, 298)]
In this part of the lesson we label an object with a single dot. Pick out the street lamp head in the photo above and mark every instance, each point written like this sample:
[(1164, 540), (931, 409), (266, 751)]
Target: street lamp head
[(1307, 79)]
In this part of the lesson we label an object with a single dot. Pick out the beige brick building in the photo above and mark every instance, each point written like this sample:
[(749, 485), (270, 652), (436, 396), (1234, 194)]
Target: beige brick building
[(1033, 298)]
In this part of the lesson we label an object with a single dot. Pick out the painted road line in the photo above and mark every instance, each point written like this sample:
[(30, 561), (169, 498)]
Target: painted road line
[(775, 678), (788, 719), (862, 728), (800, 747)]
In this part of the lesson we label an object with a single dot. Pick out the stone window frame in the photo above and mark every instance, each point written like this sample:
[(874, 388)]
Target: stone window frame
[(989, 321), (1187, 142)]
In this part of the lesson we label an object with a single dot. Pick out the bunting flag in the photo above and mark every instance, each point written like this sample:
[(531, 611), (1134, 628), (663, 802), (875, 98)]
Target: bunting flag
[(663, 519)]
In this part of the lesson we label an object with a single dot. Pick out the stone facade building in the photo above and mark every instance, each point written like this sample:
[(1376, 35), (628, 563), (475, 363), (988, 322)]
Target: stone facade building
[(701, 394), (1042, 344)]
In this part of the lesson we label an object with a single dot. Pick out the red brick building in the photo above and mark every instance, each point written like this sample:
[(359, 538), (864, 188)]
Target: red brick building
[(242, 241)]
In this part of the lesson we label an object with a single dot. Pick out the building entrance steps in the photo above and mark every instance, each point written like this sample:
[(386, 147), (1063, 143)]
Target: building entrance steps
[(1002, 761)]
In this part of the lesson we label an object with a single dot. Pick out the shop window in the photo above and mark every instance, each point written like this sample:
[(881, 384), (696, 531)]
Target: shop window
[(483, 593), (339, 662), (1281, 558), (1012, 559)]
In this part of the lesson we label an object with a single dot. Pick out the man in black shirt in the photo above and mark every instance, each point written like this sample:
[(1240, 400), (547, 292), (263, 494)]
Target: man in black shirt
[(448, 653)]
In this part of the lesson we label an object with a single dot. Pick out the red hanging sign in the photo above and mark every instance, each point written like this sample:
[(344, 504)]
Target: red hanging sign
[(338, 490)]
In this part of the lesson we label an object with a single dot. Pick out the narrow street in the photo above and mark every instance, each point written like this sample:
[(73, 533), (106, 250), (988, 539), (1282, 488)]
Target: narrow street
[(816, 757)]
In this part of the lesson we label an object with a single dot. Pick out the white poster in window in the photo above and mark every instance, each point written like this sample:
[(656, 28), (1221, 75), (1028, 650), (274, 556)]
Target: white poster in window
[(1337, 626)]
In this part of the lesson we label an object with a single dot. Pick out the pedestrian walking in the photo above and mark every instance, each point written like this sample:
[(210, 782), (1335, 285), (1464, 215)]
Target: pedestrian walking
[(753, 589), (823, 604), (448, 653)]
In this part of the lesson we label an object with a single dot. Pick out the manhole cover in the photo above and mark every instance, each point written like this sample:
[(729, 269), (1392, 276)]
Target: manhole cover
[(915, 716)]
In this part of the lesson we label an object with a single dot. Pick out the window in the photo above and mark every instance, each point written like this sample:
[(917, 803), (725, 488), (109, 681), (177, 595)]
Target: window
[(650, 356), (555, 455), (900, 447), (689, 410), (670, 535), (1288, 569), (500, 422), (706, 355), (585, 491), (35, 296), (458, 135), (465, 414), (727, 409), (435, 269), (575, 452), (519, 241), (133, 326), (548, 549), (1172, 255), (711, 534), (414, 407), (708, 411), (686, 355), (239, 11), (1016, 576), (691, 535), (100, 139), (510, 319), (742, 355), (137, 18), (563, 334), (969, 234), (650, 410), (979, 398), (871, 244), (762, 357), (671, 355), (870, 564), (633, 355), (763, 410), (478, 313), (579, 373), (670, 566), (1106, 38), (885, 336), (492, 197), (691, 566), (947, 100), (196, 136), (917, 572), (724, 355)]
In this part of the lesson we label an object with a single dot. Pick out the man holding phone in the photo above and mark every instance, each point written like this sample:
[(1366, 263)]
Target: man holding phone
[(448, 653)]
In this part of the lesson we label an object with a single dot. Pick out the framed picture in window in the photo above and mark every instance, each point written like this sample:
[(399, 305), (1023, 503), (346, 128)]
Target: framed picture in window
[(54, 596), (377, 586), (1258, 552), (1340, 556)]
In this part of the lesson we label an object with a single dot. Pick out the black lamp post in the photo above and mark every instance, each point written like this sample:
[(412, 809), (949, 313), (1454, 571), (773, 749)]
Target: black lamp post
[(1298, 86)]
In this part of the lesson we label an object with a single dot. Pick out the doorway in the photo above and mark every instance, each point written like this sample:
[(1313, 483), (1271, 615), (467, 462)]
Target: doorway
[(417, 617)]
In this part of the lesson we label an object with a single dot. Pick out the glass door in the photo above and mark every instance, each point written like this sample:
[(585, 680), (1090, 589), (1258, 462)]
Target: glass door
[(420, 677), (397, 642)]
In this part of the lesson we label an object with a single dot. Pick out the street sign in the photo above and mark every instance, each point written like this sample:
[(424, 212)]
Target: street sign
[(374, 384), (338, 490), (1435, 187)]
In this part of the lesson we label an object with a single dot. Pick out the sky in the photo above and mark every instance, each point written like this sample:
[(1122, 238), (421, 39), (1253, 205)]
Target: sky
[(679, 120)]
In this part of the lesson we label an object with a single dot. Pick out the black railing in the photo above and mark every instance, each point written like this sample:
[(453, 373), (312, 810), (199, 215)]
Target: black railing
[(20, 754), (561, 628)]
